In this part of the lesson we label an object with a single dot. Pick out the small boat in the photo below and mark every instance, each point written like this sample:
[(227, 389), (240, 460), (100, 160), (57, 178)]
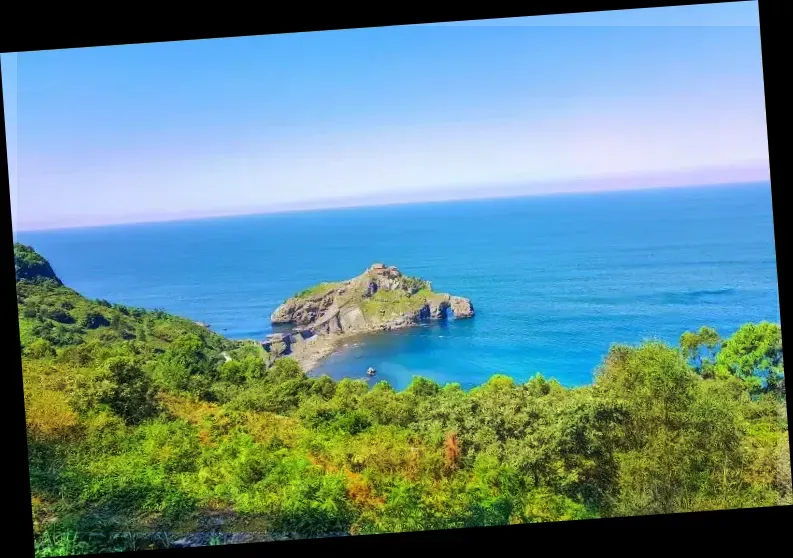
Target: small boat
[(371, 371)]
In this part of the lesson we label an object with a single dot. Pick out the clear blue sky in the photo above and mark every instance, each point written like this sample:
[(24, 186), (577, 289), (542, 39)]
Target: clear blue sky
[(224, 126)]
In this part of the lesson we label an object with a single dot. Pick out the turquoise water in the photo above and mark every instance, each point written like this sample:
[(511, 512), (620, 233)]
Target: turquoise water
[(554, 280)]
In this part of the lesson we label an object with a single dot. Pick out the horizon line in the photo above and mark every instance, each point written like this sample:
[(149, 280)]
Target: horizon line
[(366, 204)]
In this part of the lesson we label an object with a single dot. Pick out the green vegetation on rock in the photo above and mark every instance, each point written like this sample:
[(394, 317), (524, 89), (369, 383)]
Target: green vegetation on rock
[(142, 422), (31, 266), (380, 298), (317, 290), (391, 303)]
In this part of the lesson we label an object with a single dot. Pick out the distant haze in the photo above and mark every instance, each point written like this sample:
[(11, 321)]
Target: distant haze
[(526, 106)]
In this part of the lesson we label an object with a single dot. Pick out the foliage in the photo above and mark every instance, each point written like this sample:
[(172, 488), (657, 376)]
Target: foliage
[(317, 290), (53, 543), (754, 354), (387, 303), (125, 388), (186, 365), (141, 422), (31, 266), (39, 348), (414, 284), (700, 348)]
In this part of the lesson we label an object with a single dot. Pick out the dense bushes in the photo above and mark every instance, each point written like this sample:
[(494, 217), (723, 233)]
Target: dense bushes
[(143, 421), (39, 348)]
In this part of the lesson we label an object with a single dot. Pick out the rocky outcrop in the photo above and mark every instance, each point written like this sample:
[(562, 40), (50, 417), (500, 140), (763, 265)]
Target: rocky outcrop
[(440, 305), (32, 266), (461, 307), (303, 310), (380, 299)]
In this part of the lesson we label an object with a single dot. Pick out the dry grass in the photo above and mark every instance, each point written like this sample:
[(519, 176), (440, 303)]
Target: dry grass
[(263, 427), (190, 410), (48, 414)]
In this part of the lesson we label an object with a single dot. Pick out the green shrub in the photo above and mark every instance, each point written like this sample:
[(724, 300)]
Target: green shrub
[(40, 348)]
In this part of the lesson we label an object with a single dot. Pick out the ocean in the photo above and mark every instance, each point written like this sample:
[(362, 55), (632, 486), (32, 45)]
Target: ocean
[(555, 280)]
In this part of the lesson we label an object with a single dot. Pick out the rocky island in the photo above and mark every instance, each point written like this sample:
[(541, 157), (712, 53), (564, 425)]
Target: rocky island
[(380, 299)]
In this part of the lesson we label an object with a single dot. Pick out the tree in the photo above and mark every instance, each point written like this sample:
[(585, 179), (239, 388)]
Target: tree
[(131, 394), (387, 406), (285, 369), (281, 390), (705, 340), (323, 386), (682, 447), (754, 354), (185, 365), (657, 388), (348, 394), (422, 387), (538, 386), (249, 368)]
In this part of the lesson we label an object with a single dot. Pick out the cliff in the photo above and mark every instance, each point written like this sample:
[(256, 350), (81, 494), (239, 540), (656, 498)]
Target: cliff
[(379, 299), (31, 266)]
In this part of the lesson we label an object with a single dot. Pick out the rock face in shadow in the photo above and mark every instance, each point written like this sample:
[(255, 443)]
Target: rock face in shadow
[(381, 298)]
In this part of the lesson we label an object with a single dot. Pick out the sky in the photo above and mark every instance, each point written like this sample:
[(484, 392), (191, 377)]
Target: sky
[(607, 100)]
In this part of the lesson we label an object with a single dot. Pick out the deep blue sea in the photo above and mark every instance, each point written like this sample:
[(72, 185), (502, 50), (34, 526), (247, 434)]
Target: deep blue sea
[(555, 280)]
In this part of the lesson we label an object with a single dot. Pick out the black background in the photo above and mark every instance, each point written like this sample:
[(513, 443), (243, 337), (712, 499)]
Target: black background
[(39, 27)]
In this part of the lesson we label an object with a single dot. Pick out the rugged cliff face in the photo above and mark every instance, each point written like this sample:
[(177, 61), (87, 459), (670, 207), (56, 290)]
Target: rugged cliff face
[(381, 298)]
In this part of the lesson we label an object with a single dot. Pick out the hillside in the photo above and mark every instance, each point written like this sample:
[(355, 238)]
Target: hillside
[(143, 435), (31, 266)]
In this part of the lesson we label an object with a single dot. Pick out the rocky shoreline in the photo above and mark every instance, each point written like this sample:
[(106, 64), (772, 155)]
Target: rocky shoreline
[(310, 355), (381, 299)]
